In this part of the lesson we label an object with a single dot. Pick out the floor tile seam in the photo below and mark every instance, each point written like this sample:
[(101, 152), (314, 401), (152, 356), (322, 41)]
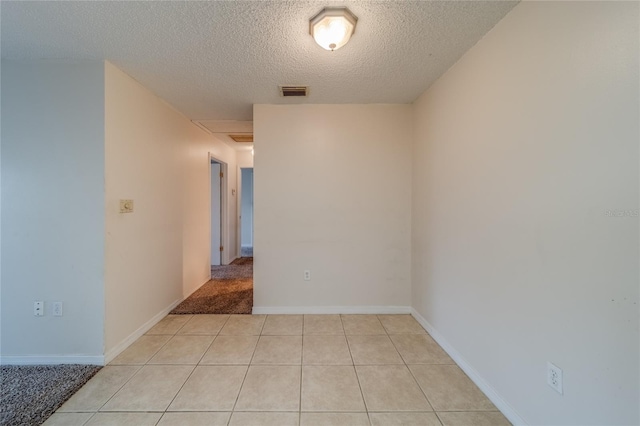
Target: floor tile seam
[(152, 355), (301, 372), (90, 417), (383, 326), (140, 367), (206, 350), (193, 369), (420, 387), (355, 370), (246, 373), (397, 350)]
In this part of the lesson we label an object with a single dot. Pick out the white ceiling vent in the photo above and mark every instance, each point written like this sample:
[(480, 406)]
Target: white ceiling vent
[(287, 91)]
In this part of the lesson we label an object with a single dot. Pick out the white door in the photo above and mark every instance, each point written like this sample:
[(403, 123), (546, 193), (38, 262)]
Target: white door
[(215, 214)]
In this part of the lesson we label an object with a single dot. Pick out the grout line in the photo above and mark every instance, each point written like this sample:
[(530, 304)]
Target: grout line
[(123, 385), (301, 371), (90, 417), (355, 370), (255, 348)]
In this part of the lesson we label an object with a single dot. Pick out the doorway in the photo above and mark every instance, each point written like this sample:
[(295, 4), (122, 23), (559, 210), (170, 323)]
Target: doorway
[(217, 171), (246, 212)]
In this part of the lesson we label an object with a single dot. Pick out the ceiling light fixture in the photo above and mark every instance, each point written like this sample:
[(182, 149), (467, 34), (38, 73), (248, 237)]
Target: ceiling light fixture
[(332, 27)]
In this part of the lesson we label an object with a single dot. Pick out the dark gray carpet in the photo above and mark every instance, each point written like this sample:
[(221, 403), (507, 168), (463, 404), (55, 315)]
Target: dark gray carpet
[(32, 393)]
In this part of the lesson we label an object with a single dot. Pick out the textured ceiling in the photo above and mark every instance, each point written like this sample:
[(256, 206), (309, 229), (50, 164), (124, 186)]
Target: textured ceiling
[(214, 60)]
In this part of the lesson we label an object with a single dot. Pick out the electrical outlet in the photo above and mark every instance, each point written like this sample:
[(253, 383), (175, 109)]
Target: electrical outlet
[(307, 275), (38, 309), (57, 309), (554, 377)]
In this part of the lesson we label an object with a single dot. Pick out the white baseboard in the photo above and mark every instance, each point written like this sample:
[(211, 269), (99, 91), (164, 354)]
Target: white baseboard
[(273, 310), (52, 360), (111, 354), (484, 386)]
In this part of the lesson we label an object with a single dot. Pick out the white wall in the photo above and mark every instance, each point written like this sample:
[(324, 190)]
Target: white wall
[(161, 252), (52, 210), (244, 159), (332, 195), (521, 149), (246, 202)]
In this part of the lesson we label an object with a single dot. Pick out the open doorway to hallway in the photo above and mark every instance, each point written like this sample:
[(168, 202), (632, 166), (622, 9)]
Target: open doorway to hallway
[(246, 212), (230, 289), (216, 213)]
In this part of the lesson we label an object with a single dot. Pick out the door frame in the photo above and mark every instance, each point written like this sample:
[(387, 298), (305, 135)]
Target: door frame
[(224, 211), (239, 210)]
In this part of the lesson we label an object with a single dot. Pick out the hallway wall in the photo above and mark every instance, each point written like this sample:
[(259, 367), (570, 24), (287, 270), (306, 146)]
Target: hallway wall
[(523, 149), (161, 252)]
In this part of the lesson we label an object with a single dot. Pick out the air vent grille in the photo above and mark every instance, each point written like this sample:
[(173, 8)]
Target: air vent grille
[(242, 138), (294, 91)]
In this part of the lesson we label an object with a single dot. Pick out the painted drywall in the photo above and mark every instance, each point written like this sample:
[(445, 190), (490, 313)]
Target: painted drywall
[(161, 252), (244, 159), (525, 201), (52, 210), (246, 195), (332, 195), (216, 216)]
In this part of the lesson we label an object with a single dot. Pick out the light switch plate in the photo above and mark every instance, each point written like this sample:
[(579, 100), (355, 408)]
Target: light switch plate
[(126, 206)]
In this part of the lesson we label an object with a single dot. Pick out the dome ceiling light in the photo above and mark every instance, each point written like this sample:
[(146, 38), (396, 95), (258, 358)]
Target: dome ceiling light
[(332, 27)]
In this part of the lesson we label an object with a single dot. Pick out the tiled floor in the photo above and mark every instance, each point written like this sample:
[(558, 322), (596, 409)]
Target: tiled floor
[(281, 370)]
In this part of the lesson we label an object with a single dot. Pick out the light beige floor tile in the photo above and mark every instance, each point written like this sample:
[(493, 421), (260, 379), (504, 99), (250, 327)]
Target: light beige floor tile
[(323, 324), (170, 324), (278, 350), (210, 388), (331, 388), (243, 325), (97, 391), (326, 350), (67, 419), (182, 350), (270, 388), (151, 389), (264, 419), (124, 419), (283, 325), (230, 350), (195, 419), (487, 418), (420, 349), (401, 324), (362, 324), (391, 388), (367, 350), (334, 419), (449, 389), (204, 324), (141, 350), (405, 419)]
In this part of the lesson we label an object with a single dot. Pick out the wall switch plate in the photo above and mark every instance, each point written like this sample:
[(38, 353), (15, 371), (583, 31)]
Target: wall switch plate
[(554, 377), (307, 275), (38, 308), (126, 206), (57, 309)]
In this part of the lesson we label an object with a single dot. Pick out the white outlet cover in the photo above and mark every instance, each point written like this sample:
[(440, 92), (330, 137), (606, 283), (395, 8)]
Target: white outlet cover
[(554, 377), (57, 309)]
